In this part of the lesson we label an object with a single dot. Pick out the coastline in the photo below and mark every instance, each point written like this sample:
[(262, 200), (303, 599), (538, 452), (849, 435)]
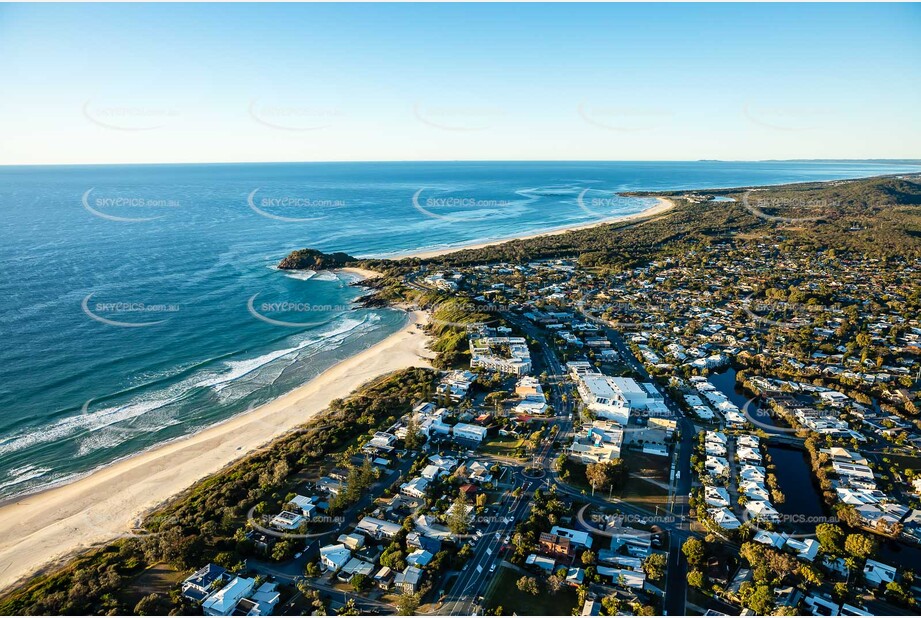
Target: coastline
[(40, 530), (662, 206)]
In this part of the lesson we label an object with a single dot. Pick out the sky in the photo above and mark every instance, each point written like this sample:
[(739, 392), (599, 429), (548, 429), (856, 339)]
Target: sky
[(173, 83)]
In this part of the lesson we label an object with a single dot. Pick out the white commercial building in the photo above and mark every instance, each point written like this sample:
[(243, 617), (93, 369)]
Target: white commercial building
[(502, 354), (465, 431)]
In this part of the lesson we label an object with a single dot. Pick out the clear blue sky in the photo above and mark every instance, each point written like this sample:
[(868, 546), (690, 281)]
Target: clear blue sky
[(201, 83)]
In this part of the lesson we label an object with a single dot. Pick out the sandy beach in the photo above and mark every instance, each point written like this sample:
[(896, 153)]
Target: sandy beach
[(43, 528), (662, 206)]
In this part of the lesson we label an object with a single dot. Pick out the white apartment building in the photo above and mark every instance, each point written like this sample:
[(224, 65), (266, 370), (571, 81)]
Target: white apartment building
[(503, 354)]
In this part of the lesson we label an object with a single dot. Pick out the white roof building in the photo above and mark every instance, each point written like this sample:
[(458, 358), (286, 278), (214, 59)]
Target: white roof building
[(576, 537), (762, 509), (416, 487), (502, 354), (378, 528), (224, 601), (334, 557), (724, 518), (878, 574), (716, 496), (476, 433), (286, 520)]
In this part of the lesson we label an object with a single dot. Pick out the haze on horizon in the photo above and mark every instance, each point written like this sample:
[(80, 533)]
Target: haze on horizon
[(221, 83)]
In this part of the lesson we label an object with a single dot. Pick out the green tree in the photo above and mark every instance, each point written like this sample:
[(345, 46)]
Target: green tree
[(361, 582), (528, 585), (612, 605), (810, 575), (312, 570), (607, 474), (859, 545), (693, 550), (831, 538), (654, 566), (696, 579), (414, 438), (757, 597), (407, 604), (151, 605), (349, 609), (458, 521)]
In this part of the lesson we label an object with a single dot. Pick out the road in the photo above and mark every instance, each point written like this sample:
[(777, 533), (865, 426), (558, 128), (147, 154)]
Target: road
[(480, 569)]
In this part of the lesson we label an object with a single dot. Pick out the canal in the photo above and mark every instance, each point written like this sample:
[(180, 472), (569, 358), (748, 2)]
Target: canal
[(803, 502), (725, 381)]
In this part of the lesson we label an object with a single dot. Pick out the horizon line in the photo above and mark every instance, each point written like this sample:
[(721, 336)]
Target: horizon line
[(907, 160)]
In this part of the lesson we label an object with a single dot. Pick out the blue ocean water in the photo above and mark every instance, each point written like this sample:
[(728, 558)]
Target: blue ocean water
[(139, 303)]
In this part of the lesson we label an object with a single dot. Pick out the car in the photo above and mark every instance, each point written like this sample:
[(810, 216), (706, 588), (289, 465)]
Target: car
[(492, 569), (298, 555), (498, 535)]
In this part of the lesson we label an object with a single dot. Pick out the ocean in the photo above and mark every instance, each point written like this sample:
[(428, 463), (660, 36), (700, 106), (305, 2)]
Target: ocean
[(141, 303)]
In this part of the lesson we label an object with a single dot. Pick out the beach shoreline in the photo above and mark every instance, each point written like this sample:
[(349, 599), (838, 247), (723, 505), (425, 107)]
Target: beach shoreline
[(40, 530), (662, 206)]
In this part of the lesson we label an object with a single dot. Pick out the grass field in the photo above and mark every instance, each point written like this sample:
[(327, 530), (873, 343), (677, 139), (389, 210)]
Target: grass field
[(505, 593), (502, 446), (637, 490), (159, 578)]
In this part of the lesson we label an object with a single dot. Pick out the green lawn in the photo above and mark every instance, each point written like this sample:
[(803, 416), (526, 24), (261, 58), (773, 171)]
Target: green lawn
[(504, 592), (502, 446)]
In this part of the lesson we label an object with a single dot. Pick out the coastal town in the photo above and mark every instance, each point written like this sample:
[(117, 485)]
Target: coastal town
[(728, 432), (728, 429)]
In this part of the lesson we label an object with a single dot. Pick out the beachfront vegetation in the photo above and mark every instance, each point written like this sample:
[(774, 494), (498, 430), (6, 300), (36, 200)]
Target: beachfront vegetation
[(208, 522), (880, 217)]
